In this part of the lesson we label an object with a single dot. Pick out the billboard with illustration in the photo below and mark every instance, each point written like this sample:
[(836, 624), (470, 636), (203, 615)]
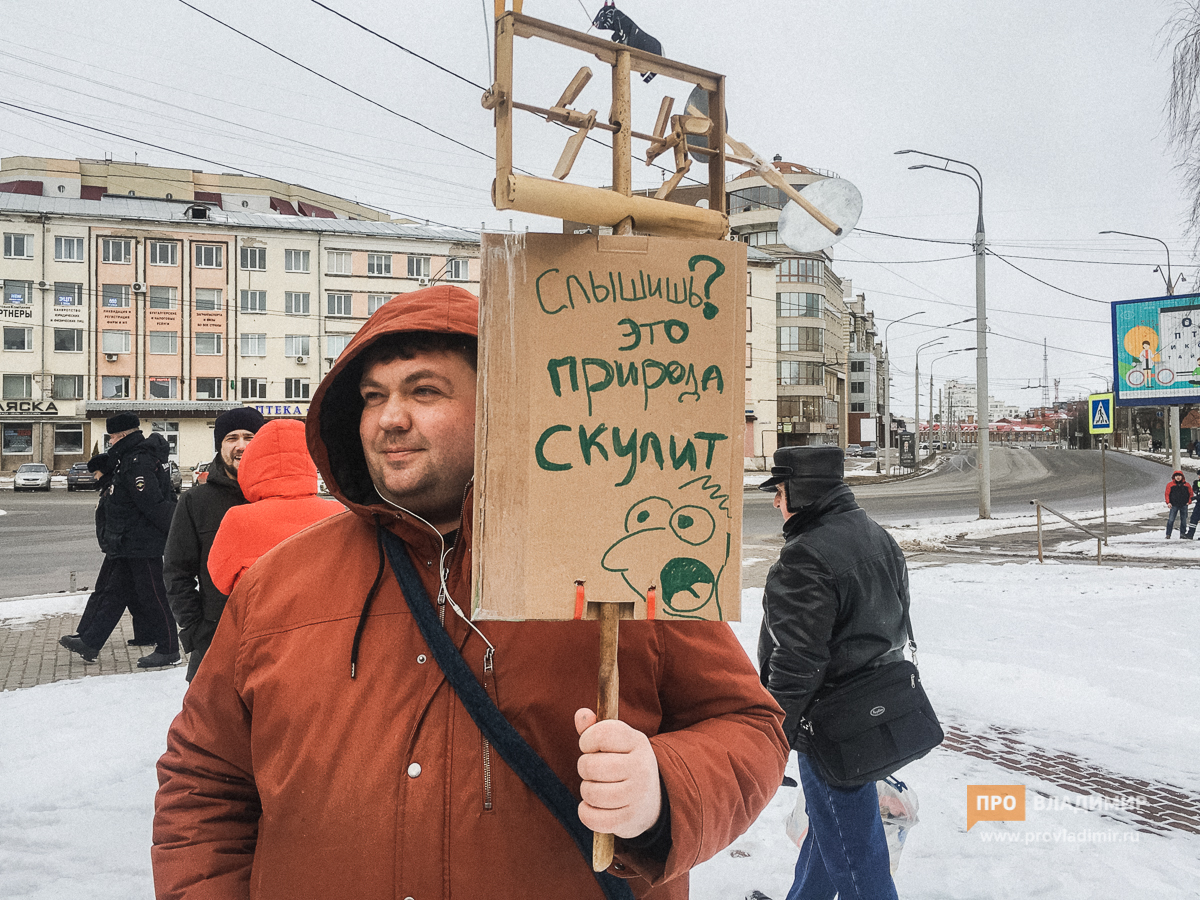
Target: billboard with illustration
[(1156, 351)]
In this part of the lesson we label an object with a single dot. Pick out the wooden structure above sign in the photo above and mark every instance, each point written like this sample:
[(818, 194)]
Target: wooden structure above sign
[(609, 447)]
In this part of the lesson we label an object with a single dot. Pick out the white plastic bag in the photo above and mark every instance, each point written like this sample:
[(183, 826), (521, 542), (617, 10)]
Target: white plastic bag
[(897, 808)]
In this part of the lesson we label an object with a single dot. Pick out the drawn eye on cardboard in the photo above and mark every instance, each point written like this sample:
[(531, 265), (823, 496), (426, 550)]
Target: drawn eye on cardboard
[(680, 547)]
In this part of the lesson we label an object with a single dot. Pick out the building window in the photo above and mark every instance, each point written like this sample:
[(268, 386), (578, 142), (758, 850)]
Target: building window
[(68, 439), (117, 250), (18, 387), (114, 387), (792, 303), (208, 343), (458, 269), (18, 437), (68, 249), (800, 270), (17, 291), (18, 246), (295, 303), (164, 388), (295, 389), (68, 294), (164, 343), (858, 407), (792, 338), (254, 301), (164, 253), (858, 387), (254, 389), (335, 344), (254, 259), (208, 256), (418, 267), (295, 345), (338, 262), (749, 356), (67, 387), (374, 301), (339, 304), (253, 344), (295, 260), (114, 295), (208, 388), (68, 340), (795, 372), (114, 342), (18, 338), (858, 365), (208, 299), (379, 264), (163, 297)]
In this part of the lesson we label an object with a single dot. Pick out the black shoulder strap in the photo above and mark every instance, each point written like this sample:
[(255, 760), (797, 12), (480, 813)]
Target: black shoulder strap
[(534, 771)]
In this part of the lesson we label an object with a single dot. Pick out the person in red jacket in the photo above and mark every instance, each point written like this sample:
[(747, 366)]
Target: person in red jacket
[(1178, 495), (279, 479)]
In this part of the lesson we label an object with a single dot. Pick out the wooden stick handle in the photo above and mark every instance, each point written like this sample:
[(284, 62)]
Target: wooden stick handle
[(606, 708)]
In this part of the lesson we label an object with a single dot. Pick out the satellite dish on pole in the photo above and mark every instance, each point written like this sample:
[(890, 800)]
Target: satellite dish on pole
[(836, 198)]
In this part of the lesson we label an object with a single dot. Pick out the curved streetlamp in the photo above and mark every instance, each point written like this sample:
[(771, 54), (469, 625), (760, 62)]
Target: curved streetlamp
[(931, 362), (981, 368), (887, 390), (917, 388)]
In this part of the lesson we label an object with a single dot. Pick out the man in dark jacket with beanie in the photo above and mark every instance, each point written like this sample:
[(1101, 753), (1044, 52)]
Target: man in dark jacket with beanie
[(834, 605), (196, 602), (137, 516)]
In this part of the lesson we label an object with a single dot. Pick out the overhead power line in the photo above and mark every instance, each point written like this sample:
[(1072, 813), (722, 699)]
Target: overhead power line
[(1046, 283)]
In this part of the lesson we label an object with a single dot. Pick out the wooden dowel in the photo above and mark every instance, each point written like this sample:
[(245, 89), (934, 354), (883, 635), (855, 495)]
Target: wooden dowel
[(606, 708)]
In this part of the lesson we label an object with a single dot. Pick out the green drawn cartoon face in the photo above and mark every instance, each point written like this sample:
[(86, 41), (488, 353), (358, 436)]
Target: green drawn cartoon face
[(680, 544)]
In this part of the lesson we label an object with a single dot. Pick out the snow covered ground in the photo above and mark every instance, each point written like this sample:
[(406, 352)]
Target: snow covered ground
[(1096, 661)]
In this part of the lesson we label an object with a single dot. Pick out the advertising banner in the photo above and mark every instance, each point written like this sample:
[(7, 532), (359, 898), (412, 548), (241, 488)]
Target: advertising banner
[(609, 445), (1156, 351)]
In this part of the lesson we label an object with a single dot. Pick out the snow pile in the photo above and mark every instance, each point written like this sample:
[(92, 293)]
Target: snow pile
[(1089, 660), (25, 610)]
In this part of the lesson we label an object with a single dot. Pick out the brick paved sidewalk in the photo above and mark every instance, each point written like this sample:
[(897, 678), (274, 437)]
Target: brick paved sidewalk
[(1160, 808), (30, 653)]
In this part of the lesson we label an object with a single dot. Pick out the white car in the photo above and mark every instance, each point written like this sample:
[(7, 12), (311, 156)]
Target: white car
[(32, 477), (854, 449)]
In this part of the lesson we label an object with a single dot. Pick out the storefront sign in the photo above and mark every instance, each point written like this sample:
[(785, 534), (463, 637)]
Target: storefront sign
[(276, 410), (16, 312), (28, 407)]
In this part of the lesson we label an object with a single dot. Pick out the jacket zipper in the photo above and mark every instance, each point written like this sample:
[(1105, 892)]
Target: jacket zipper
[(489, 686)]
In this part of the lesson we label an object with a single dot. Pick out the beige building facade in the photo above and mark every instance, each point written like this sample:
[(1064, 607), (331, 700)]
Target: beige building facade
[(179, 307)]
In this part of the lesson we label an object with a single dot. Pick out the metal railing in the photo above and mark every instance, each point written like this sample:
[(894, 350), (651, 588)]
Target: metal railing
[(1099, 537)]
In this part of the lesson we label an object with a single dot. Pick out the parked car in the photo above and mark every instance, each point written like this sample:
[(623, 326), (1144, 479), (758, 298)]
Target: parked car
[(854, 449), (32, 477), (200, 473), (176, 477), (869, 453), (937, 445), (80, 479)]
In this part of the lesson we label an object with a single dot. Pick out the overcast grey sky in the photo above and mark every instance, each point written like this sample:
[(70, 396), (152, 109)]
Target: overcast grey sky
[(1060, 106)]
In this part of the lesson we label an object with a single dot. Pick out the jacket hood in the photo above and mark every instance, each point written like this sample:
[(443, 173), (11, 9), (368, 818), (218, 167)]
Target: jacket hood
[(1178, 472), (277, 464), (157, 445), (333, 416)]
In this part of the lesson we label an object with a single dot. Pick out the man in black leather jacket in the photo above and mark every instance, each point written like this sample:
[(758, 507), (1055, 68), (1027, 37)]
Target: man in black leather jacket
[(833, 606)]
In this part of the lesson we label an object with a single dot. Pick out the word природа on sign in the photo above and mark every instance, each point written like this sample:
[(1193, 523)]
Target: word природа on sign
[(683, 380), (995, 803)]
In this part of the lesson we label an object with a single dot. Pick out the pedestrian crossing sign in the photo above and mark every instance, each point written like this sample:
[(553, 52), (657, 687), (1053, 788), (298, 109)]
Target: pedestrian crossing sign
[(1100, 417)]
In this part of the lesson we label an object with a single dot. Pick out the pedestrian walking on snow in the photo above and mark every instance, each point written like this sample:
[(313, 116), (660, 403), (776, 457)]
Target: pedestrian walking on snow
[(195, 600), (1178, 495)]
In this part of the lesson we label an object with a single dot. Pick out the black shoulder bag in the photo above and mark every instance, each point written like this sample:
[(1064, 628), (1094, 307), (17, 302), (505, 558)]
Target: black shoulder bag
[(534, 771), (872, 724)]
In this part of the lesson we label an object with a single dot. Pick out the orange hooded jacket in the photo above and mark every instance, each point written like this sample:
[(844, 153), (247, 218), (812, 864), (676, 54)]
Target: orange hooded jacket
[(286, 777), (279, 479)]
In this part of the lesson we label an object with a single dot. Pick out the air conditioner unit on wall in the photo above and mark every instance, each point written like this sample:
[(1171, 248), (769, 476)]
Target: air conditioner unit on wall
[(110, 357), (423, 282), (302, 360), (139, 287)]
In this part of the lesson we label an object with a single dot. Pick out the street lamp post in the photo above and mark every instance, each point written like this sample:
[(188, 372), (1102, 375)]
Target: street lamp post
[(981, 366), (887, 391), (935, 359), (1171, 283), (917, 390)]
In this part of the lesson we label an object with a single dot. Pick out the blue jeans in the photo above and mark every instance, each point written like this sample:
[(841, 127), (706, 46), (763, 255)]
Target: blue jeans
[(845, 851), (1180, 512)]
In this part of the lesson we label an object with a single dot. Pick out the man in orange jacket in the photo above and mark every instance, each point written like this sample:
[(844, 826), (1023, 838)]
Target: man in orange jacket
[(322, 752)]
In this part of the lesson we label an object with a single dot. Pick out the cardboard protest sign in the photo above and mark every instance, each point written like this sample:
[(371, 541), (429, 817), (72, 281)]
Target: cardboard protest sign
[(609, 445)]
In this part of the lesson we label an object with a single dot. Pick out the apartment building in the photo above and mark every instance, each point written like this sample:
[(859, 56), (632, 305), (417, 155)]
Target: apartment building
[(867, 374), (212, 292)]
